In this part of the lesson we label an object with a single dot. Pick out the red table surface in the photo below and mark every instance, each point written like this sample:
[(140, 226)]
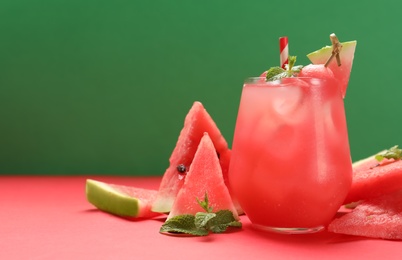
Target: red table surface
[(50, 218)]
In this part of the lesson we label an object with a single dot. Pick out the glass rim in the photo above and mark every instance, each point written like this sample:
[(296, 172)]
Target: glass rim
[(254, 80)]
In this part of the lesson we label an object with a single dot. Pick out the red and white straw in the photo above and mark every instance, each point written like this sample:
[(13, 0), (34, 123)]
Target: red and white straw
[(284, 51)]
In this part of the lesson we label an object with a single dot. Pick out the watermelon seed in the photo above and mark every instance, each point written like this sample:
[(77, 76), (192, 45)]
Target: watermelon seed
[(181, 168), (219, 156)]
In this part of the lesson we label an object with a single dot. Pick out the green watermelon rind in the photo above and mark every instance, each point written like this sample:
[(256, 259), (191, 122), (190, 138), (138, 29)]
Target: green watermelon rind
[(112, 199), (326, 51)]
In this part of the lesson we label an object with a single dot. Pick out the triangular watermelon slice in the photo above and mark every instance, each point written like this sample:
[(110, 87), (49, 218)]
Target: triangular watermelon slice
[(204, 176), (197, 122), (342, 73), (372, 178), (379, 217)]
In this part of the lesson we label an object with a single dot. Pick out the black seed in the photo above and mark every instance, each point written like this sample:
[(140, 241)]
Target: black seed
[(372, 167), (181, 168), (219, 156)]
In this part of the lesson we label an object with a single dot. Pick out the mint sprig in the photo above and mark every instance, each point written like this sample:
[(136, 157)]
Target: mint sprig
[(205, 203), (290, 70), (202, 223), (392, 153)]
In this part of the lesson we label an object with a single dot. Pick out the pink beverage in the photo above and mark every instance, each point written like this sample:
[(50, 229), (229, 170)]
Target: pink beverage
[(290, 166)]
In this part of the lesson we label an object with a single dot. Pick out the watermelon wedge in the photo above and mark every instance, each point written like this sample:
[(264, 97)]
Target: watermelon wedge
[(372, 178), (197, 122), (124, 201), (380, 217), (204, 176), (342, 73)]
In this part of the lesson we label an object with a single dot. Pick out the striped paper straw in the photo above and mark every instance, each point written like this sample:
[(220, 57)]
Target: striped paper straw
[(284, 50)]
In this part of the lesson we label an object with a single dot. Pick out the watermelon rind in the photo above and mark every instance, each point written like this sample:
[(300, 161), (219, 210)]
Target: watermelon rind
[(117, 200), (360, 162)]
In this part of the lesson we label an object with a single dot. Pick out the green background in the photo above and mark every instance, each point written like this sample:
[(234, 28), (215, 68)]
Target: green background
[(102, 87)]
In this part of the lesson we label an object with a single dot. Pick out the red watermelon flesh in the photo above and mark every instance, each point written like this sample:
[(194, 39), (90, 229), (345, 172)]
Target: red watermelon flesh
[(372, 178), (380, 217), (204, 176), (316, 71), (197, 122)]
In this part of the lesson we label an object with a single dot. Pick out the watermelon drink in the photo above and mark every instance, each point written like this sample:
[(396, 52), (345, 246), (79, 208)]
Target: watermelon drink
[(290, 167)]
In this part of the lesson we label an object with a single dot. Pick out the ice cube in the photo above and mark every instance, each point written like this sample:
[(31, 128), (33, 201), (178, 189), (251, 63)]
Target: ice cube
[(287, 104)]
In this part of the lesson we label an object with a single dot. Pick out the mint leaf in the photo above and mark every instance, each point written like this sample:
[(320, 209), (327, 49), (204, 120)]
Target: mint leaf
[(272, 73), (291, 63), (202, 218), (183, 224), (392, 153), (295, 70), (290, 70), (223, 220), (379, 157)]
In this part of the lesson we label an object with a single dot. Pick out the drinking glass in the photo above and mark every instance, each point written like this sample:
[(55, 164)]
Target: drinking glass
[(290, 168)]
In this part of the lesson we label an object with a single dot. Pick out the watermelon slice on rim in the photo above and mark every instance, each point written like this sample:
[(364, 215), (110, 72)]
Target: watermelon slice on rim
[(196, 123), (380, 217), (342, 73), (204, 176), (372, 178)]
